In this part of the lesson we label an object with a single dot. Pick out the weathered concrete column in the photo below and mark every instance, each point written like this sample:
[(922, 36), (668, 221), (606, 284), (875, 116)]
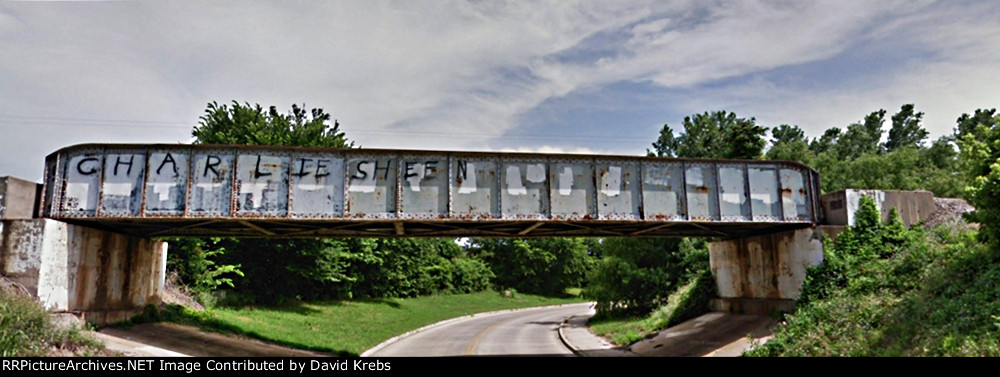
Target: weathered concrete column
[(762, 274), (102, 275)]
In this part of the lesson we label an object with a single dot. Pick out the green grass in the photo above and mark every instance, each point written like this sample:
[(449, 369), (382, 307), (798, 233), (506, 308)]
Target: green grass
[(621, 331), (688, 301), (351, 327)]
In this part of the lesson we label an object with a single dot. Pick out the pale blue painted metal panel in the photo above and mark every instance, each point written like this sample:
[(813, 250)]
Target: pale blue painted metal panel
[(121, 189), (317, 184), (424, 186), (211, 184), (524, 189), (360, 189), (474, 188), (262, 184), (371, 187), (571, 191), (618, 190), (166, 182)]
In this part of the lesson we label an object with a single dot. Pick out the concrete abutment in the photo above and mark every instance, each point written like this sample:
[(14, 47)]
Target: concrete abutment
[(99, 275), (102, 276)]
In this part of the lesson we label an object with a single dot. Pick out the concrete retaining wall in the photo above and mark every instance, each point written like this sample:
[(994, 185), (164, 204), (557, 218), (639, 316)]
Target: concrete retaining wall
[(18, 198), (913, 206), (108, 276), (762, 273)]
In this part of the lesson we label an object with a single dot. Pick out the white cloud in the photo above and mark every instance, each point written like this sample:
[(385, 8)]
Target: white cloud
[(461, 75)]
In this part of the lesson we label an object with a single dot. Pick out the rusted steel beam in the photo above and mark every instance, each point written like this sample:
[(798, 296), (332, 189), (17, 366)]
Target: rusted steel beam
[(530, 228), (144, 187), (257, 228)]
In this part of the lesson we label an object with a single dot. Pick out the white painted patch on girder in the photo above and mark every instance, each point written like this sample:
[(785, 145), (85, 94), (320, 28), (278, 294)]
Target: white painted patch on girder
[(367, 186), (162, 190), (207, 186), (765, 197), (611, 182), (468, 185), (83, 193), (536, 173), (415, 180), (118, 188), (732, 197), (514, 184), (310, 186), (566, 181), (695, 177), (256, 191)]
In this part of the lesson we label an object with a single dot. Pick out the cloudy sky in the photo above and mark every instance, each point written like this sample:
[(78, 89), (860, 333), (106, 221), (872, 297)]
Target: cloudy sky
[(551, 76)]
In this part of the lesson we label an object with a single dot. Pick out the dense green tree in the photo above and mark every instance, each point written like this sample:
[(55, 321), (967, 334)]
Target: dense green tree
[(979, 144), (861, 138), (906, 130), (825, 142), (535, 265), (665, 145), (277, 268), (969, 124), (784, 134), (252, 125), (636, 274), (713, 135), (789, 143)]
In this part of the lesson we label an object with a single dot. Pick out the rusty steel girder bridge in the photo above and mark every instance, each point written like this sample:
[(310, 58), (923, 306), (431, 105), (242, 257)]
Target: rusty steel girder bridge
[(152, 190)]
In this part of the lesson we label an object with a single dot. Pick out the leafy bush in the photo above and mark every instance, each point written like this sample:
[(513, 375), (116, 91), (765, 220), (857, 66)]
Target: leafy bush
[(192, 259), (687, 302), (897, 292), (637, 274), (26, 331), (545, 266)]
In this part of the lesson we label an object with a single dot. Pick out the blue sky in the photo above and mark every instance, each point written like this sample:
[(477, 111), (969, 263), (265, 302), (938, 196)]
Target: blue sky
[(549, 76)]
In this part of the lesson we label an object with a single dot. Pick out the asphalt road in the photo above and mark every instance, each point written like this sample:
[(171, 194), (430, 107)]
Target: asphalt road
[(522, 332)]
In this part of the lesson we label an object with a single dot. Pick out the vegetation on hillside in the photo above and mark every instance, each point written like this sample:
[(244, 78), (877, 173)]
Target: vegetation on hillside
[(26, 330), (884, 290)]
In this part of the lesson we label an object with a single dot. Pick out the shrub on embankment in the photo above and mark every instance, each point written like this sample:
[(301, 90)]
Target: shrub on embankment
[(686, 302), (637, 275), (26, 331), (884, 290)]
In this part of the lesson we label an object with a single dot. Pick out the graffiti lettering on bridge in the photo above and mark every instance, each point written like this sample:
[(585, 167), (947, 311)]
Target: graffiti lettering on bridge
[(310, 183)]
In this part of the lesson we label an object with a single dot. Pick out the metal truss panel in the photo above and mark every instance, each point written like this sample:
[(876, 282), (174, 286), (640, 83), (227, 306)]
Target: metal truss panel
[(263, 191)]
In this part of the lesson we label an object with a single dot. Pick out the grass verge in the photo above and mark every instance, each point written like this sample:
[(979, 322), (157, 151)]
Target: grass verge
[(688, 301), (348, 327)]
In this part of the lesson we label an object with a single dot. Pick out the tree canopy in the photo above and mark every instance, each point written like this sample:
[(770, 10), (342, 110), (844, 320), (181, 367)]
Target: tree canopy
[(713, 135), (252, 125)]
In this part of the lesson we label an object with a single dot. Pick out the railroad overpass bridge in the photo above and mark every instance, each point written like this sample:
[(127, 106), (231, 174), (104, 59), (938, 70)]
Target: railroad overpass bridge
[(260, 191), (84, 240)]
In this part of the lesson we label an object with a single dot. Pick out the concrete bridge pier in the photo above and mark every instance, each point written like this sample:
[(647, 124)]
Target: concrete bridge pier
[(764, 273), (99, 275)]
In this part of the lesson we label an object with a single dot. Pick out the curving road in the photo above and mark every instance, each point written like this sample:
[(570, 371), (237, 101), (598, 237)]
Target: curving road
[(522, 332)]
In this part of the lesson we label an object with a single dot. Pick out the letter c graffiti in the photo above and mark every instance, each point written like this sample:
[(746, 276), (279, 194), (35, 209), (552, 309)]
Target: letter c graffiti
[(79, 166)]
